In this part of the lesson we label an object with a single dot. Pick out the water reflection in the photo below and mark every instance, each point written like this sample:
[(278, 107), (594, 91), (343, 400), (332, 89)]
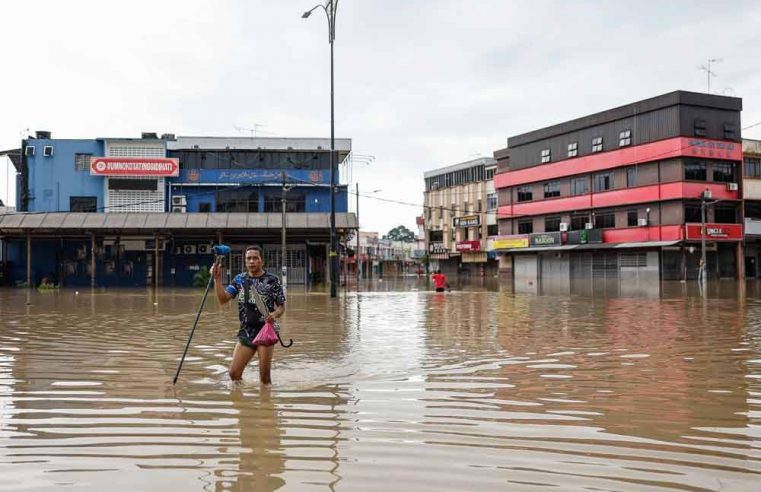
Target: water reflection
[(479, 388)]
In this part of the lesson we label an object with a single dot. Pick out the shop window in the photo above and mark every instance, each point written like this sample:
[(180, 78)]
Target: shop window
[(729, 131), (525, 226), (204, 207), (83, 204), (238, 201), (752, 167), (632, 217), (573, 149), (597, 144), (552, 189), (700, 127), (525, 193), (625, 138), (695, 171), (579, 221), (492, 230), (551, 224), (692, 213), (603, 182), (605, 220), (134, 184), (631, 176), (579, 186), (722, 172), (725, 214)]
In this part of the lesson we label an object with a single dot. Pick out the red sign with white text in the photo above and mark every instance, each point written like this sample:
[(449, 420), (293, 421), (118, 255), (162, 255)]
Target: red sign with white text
[(134, 166), (715, 232), (468, 246)]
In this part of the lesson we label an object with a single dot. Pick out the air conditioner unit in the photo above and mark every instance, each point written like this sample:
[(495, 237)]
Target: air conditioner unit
[(732, 186), (47, 150), (588, 225), (177, 209), (179, 200), (204, 249), (563, 226), (30, 150), (189, 249), (641, 222)]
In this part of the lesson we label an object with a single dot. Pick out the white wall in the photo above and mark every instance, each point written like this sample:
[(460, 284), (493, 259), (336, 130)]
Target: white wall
[(7, 182)]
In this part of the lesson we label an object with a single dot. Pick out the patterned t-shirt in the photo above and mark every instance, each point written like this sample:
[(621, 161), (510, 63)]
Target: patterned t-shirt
[(267, 285)]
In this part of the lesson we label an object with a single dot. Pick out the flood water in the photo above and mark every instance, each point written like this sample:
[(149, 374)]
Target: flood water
[(477, 389)]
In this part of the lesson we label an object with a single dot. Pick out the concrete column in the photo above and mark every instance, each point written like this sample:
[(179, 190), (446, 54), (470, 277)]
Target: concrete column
[(328, 264), (92, 260), (157, 260), (28, 260), (740, 261)]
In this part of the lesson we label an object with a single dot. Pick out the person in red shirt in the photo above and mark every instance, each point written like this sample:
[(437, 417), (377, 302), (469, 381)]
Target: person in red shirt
[(439, 281)]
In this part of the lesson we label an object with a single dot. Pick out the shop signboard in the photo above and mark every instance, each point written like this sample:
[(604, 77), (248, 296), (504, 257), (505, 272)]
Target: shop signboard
[(509, 242), (467, 246), (437, 248), (584, 236), (134, 166), (467, 221), (714, 232), (545, 239)]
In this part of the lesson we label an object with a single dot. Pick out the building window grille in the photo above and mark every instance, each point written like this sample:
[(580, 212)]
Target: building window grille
[(525, 194), (82, 162), (625, 138), (752, 167), (603, 182), (552, 189), (722, 172), (631, 176), (634, 260), (551, 224), (632, 218), (579, 186), (700, 128), (605, 220), (573, 149), (695, 171), (597, 144), (525, 226), (545, 156), (490, 173)]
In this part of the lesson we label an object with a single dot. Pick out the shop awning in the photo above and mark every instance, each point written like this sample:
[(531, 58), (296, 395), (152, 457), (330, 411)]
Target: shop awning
[(157, 222)]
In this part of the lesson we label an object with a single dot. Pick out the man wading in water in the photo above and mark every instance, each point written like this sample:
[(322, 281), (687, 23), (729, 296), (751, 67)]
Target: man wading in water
[(251, 320)]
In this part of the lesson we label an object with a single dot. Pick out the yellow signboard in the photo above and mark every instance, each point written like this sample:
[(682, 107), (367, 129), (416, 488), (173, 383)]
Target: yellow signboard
[(509, 242)]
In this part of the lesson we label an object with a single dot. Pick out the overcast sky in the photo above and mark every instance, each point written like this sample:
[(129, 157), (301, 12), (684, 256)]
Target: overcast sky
[(419, 84)]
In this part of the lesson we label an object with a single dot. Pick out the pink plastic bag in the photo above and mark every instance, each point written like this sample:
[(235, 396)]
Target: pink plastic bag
[(266, 335)]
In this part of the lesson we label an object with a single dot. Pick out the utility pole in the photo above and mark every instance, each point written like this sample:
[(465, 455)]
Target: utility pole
[(356, 253), (283, 255), (702, 272)]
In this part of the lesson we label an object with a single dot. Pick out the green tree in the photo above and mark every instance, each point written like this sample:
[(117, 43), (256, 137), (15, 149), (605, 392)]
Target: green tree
[(201, 278), (400, 233)]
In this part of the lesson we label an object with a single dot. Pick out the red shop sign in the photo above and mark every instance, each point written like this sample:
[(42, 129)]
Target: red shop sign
[(715, 232), (134, 166), (468, 246)]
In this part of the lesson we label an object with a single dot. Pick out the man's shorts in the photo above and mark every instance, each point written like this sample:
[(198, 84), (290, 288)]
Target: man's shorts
[(246, 335)]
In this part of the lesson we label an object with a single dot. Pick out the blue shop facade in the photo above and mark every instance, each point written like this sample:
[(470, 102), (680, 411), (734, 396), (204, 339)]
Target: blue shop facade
[(131, 212)]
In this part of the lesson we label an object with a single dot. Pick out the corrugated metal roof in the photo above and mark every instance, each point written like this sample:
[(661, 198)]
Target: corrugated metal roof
[(481, 161), (77, 221), (243, 143)]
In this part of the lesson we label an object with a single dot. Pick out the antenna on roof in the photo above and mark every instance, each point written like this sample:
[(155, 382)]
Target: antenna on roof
[(707, 69), (253, 131)]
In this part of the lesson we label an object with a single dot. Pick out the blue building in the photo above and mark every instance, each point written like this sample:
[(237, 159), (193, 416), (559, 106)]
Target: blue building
[(145, 211)]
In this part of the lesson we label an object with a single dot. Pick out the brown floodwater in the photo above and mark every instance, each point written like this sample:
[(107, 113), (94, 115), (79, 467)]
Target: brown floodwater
[(480, 389)]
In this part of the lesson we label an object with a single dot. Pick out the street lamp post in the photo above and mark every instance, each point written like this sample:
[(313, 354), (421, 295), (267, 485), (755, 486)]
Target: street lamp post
[(330, 9), (704, 197)]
